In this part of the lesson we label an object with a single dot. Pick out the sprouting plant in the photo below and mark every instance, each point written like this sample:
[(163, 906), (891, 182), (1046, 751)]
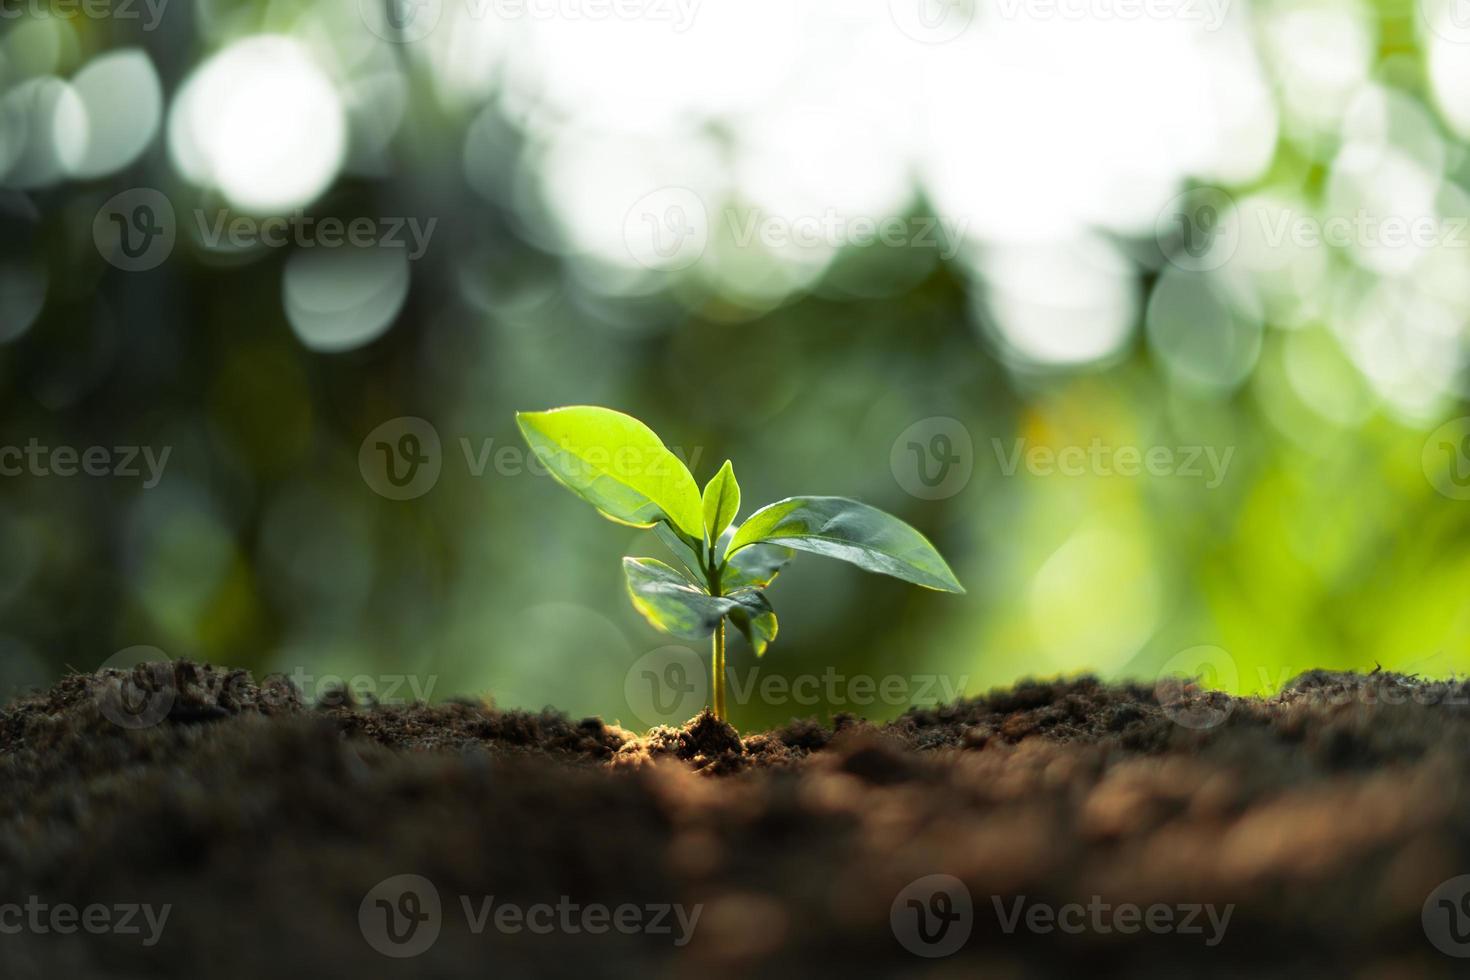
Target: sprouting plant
[(618, 465)]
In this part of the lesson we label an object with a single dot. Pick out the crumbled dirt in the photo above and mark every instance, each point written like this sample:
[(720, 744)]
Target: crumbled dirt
[(1323, 818)]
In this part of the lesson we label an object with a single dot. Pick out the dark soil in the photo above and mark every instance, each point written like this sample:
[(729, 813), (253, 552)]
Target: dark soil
[(1325, 817)]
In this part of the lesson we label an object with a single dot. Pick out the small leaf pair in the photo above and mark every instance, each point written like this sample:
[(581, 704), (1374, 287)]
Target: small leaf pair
[(618, 465)]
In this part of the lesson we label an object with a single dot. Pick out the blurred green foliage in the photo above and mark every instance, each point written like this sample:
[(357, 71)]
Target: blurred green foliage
[(1318, 539)]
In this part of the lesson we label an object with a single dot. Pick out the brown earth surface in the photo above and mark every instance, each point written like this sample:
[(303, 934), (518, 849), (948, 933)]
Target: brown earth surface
[(1087, 829)]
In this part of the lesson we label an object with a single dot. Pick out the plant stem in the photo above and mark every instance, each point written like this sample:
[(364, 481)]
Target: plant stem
[(717, 662), (718, 672)]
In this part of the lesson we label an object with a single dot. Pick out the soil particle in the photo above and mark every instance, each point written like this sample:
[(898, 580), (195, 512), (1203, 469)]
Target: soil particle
[(706, 744), (1323, 818)]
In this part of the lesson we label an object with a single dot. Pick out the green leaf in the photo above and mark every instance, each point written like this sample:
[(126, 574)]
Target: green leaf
[(754, 618), (670, 602), (721, 502), (673, 604), (852, 531), (754, 566), (617, 464), (685, 549)]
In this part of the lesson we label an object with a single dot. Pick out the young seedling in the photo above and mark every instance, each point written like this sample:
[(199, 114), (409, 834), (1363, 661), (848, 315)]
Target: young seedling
[(618, 465)]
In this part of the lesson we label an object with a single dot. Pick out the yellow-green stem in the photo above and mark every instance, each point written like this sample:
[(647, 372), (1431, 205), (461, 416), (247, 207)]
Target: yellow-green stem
[(718, 672)]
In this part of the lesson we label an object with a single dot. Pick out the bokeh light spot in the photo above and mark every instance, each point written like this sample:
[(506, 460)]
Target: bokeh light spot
[(262, 123), (338, 299)]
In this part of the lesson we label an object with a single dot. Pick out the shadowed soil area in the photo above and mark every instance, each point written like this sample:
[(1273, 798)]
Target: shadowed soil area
[(1306, 832)]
